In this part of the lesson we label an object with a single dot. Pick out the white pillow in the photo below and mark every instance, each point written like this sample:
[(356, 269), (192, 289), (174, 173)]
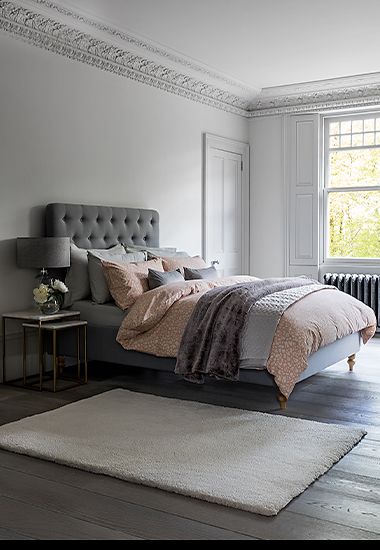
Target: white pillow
[(150, 251), (153, 253)]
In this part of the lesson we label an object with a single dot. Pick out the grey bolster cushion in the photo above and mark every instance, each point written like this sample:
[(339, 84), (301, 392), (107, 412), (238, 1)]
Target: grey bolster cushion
[(158, 278), (195, 274)]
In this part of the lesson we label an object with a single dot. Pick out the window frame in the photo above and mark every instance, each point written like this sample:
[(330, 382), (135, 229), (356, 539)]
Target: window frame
[(326, 190)]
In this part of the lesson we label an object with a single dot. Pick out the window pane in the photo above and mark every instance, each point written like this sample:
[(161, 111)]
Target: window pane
[(378, 124), (357, 125), (334, 142), (345, 141), (346, 127), (369, 125), (369, 139), (357, 140), (334, 128), (356, 167), (354, 224)]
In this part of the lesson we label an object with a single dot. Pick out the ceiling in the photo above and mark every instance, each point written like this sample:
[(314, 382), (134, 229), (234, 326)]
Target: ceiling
[(263, 43)]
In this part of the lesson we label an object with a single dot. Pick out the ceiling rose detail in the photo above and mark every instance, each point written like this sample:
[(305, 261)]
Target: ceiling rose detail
[(64, 32)]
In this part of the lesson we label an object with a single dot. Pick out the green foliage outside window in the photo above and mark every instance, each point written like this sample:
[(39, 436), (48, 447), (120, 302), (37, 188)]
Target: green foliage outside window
[(354, 216)]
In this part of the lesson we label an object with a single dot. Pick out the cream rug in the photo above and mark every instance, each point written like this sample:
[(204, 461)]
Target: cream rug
[(252, 461)]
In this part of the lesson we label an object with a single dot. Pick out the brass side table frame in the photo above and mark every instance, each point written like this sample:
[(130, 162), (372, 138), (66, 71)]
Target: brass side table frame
[(39, 320), (54, 328)]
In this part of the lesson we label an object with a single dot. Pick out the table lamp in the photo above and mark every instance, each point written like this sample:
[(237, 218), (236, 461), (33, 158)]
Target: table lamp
[(43, 253)]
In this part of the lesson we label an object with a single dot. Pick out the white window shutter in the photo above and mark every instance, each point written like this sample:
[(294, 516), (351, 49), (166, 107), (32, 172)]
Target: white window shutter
[(303, 189)]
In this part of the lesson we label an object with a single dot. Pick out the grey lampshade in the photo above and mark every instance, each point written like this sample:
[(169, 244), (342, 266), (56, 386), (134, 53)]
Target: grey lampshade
[(48, 252)]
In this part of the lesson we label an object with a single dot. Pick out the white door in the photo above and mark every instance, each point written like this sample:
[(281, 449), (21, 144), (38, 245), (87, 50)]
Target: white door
[(226, 209)]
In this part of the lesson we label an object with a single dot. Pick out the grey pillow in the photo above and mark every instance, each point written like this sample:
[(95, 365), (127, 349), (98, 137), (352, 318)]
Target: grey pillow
[(77, 279), (99, 288), (158, 278), (195, 274)]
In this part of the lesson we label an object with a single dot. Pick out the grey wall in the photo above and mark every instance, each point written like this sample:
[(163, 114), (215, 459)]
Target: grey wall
[(72, 133)]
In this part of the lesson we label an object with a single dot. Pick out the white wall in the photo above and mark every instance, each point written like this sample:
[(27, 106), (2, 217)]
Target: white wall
[(275, 148), (268, 238), (71, 133)]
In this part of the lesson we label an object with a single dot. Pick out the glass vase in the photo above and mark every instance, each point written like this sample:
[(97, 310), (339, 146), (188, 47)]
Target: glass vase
[(51, 307)]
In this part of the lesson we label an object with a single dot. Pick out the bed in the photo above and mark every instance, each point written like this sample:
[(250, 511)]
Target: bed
[(100, 227)]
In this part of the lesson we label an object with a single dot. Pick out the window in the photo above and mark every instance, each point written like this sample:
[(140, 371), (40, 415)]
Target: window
[(352, 187)]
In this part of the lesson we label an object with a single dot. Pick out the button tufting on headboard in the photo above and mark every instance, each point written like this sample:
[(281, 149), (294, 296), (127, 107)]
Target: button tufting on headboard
[(102, 226)]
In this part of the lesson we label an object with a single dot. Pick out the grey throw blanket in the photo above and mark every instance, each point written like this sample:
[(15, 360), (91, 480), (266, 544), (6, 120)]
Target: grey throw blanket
[(211, 342)]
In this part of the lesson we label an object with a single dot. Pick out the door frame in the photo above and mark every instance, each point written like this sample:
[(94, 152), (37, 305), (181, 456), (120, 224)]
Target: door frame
[(211, 141)]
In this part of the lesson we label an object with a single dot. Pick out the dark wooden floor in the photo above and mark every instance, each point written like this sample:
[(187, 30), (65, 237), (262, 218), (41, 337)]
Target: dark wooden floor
[(41, 500)]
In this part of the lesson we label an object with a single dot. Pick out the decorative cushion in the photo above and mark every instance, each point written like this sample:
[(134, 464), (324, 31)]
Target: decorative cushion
[(178, 262), (127, 282), (195, 274), (99, 287), (77, 279), (159, 278)]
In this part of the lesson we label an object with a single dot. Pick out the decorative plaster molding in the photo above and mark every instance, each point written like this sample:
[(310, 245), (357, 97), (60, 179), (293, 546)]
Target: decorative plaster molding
[(149, 46), (79, 43), (59, 38), (341, 98), (331, 84)]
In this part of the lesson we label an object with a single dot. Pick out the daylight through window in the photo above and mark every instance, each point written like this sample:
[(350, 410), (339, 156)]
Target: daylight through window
[(352, 187)]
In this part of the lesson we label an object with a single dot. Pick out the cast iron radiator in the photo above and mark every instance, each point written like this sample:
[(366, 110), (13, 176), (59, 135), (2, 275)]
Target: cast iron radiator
[(363, 287)]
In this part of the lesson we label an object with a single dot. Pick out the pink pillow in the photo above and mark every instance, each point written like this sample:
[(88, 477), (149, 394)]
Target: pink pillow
[(127, 282), (180, 262)]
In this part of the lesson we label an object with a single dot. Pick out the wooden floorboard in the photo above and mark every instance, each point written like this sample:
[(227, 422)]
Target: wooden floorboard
[(42, 500), (38, 523), (133, 520), (286, 526), (352, 485), (5, 534), (339, 508)]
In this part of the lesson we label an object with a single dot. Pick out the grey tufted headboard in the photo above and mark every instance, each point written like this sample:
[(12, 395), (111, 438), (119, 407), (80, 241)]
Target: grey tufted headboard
[(103, 226)]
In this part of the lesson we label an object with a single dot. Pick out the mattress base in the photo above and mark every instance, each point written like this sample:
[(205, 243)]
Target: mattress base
[(102, 347)]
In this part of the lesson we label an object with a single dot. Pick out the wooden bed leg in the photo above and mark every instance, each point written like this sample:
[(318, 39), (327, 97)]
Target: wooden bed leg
[(283, 401), (352, 362)]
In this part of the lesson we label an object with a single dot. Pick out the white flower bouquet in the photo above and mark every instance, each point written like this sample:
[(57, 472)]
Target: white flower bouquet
[(46, 296)]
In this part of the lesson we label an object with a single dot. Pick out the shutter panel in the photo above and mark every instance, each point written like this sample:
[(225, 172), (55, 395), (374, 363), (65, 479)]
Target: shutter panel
[(304, 194)]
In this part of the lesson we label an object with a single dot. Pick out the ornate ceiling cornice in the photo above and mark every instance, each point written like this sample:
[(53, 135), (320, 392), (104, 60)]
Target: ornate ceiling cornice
[(46, 24), (269, 104), (45, 32), (144, 44)]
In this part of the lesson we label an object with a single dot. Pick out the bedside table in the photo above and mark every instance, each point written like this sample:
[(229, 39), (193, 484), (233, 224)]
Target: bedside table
[(54, 329), (38, 320)]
